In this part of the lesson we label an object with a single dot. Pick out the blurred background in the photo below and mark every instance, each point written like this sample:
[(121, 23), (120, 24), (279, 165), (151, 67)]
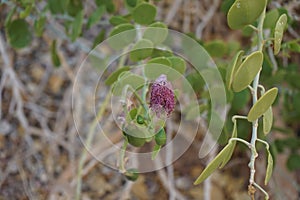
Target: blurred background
[(40, 151)]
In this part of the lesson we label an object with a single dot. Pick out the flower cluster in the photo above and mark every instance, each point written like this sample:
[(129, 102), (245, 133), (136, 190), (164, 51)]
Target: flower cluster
[(162, 99)]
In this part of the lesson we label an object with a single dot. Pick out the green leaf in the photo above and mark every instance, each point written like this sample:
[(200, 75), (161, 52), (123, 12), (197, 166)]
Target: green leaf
[(144, 13), (9, 16), (58, 6), (74, 7), (114, 76), (247, 71), (124, 34), (271, 19), (132, 174), (155, 151), (178, 64), (141, 50), (77, 25), (161, 137), (214, 164), (117, 20), (156, 32), (133, 80), (293, 162), (26, 12), (262, 105), (131, 3), (216, 48), (19, 33), (95, 16), (232, 146), (269, 167), (278, 34), (39, 25), (267, 120), (233, 67), (54, 56), (244, 12), (99, 38), (240, 100), (157, 66), (294, 46)]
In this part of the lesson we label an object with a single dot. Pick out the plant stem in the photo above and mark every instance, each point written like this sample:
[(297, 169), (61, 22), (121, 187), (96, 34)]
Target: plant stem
[(122, 155), (88, 143), (254, 100)]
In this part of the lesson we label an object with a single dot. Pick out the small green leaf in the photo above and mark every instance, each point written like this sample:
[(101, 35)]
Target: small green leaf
[(19, 33), (267, 120), (233, 67), (26, 12), (124, 34), (131, 3), (294, 46), (77, 25), (58, 6), (232, 147), (132, 174), (178, 64), (95, 16), (133, 113), (161, 137), (144, 13), (155, 151), (140, 119), (54, 55), (99, 38), (278, 34), (117, 20), (247, 71), (293, 162), (216, 48), (262, 105), (271, 19), (39, 25), (215, 163), (157, 66), (141, 50), (244, 12), (133, 80), (269, 167), (114, 76), (156, 32), (74, 7)]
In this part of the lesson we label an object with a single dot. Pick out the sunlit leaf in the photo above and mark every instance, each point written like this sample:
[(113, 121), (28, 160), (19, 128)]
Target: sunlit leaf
[(244, 12), (114, 76), (247, 71), (269, 167), (141, 50), (278, 34), (116, 20), (144, 13), (214, 164), (271, 19), (232, 146), (233, 67), (124, 34), (267, 120), (156, 32), (262, 105)]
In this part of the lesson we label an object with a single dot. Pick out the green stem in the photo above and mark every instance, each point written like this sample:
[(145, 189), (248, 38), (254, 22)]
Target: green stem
[(254, 100), (88, 143), (235, 117), (122, 156)]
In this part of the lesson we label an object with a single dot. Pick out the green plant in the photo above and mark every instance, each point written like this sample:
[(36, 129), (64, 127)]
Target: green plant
[(241, 72)]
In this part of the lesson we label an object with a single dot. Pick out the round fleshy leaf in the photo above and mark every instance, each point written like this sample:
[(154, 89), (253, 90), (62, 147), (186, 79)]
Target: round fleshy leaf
[(247, 71), (267, 121), (262, 105), (233, 67), (216, 48), (178, 64), (114, 76), (278, 34), (161, 137), (124, 34), (156, 32), (144, 13), (244, 12), (141, 50), (132, 174), (271, 19), (117, 20), (19, 33)]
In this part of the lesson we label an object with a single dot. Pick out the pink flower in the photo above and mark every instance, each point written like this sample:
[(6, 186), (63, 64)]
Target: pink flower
[(162, 99)]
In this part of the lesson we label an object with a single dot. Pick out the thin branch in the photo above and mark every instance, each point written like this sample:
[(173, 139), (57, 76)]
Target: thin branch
[(173, 11)]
